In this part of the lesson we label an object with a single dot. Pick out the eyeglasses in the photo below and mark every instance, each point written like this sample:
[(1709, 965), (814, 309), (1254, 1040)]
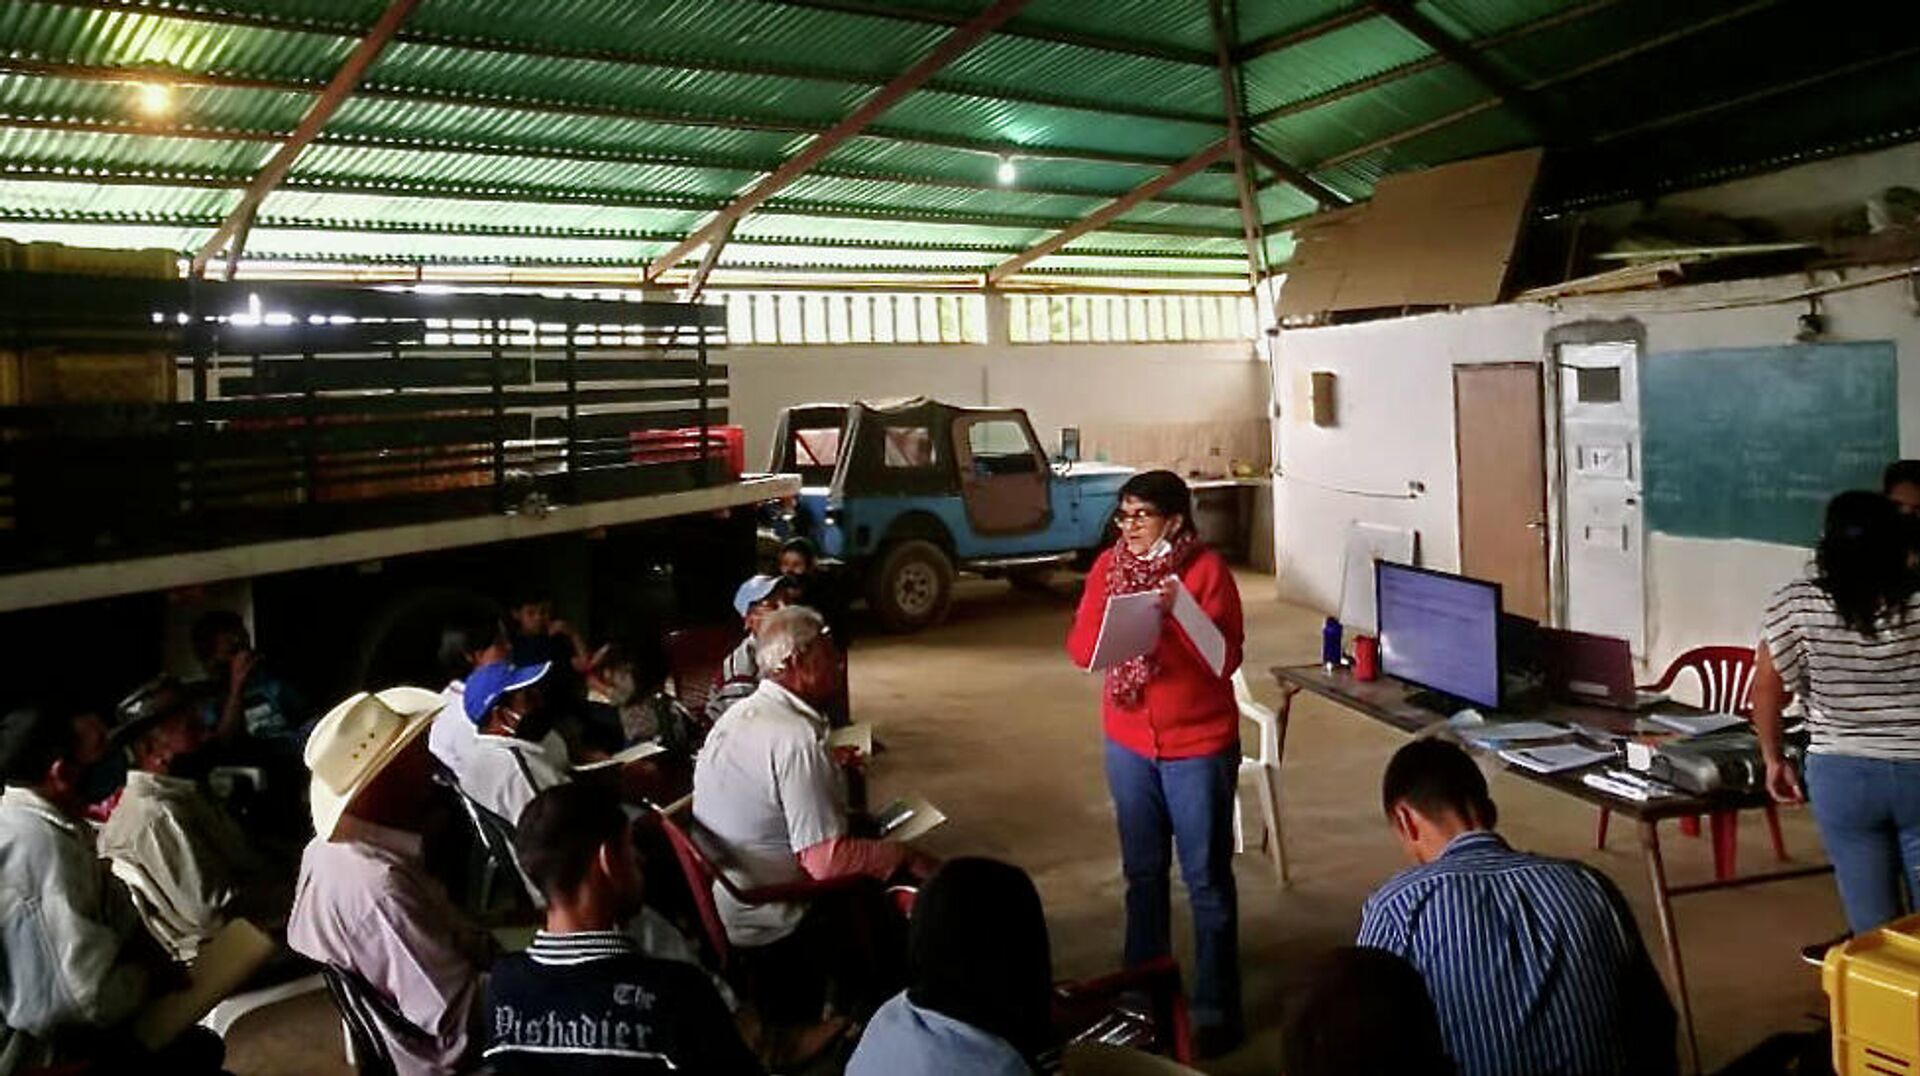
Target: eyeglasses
[(1124, 518)]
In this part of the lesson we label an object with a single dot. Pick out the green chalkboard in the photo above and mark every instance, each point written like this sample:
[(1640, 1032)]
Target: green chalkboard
[(1752, 442)]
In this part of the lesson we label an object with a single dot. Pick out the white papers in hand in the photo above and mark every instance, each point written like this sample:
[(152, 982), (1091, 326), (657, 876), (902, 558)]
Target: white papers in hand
[(908, 819), (644, 749), (1130, 628), (1200, 628)]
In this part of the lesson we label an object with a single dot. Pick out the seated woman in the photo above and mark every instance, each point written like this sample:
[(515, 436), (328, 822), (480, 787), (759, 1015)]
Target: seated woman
[(1365, 1012), (981, 975)]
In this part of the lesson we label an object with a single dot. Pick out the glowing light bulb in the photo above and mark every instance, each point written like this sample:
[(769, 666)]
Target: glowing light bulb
[(1006, 172), (155, 98)]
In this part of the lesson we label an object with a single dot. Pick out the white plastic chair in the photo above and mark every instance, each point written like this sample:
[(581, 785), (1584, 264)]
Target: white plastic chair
[(1265, 768)]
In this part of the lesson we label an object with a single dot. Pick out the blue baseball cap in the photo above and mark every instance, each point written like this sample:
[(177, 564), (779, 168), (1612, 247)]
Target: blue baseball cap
[(755, 590), (490, 683)]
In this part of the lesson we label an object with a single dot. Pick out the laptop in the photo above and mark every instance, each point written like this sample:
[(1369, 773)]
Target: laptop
[(1593, 669)]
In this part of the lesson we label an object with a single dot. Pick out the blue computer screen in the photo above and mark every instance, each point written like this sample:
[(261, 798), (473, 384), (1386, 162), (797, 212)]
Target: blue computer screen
[(1440, 631)]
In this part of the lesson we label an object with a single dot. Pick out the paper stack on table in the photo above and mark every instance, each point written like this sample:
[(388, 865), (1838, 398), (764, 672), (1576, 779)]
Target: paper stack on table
[(1555, 758), (1496, 735), (908, 819), (1698, 724)]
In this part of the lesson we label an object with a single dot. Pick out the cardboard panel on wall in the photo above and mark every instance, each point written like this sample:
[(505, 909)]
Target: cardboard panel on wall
[(1438, 237)]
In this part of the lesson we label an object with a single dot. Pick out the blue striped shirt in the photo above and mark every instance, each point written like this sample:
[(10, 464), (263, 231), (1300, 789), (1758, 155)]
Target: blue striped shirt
[(1534, 964)]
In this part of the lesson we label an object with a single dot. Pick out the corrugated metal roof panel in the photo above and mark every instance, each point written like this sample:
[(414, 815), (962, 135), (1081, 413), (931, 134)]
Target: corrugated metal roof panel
[(106, 201), (452, 212), (1310, 137), (1282, 202), (1346, 55), (1025, 124), (1258, 20), (137, 39), (379, 117), (371, 164), (1014, 61), (74, 151), (36, 97), (883, 155), (771, 229), (1149, 22), (906, 196)]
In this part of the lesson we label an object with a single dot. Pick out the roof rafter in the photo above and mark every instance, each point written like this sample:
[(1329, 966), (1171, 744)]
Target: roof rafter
[(949, 49), (232, 232), (708, 260), (1104, 217), (1403, 14), (1100, 42), (1295, 176), (1236, 142), (1286, 39), (262, 20), (537, 152), (549, 106)]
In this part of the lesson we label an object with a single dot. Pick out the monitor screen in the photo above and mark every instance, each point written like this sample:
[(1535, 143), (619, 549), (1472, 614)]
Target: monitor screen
[(1440, 631)]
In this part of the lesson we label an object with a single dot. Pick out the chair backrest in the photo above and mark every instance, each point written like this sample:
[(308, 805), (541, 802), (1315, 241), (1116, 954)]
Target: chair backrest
[(1261, 715), (700, 874), (1098, 1009), (694, 657), (369, 1019), (495, 835), (1725, 674)]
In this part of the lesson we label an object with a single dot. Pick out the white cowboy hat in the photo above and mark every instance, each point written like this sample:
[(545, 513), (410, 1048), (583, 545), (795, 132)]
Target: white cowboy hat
[(355, 741)]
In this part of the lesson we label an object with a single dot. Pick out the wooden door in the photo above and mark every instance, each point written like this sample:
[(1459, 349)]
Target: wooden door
[(1499, 439)]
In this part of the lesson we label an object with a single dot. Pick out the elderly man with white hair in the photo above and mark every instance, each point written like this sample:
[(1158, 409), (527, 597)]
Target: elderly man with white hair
[(769, 797)]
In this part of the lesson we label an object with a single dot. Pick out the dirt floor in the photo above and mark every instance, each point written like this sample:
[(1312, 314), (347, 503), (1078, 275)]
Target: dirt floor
[(987, 718)]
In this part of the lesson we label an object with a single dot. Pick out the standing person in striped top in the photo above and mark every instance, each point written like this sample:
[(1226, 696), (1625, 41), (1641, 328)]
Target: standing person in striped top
[(1535, 965), (1847, 641)]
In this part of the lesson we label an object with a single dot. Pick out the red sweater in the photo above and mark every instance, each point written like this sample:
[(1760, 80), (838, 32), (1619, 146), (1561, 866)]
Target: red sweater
[(1185, 711)]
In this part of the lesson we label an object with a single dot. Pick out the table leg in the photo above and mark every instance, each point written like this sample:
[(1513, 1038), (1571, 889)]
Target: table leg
[(1669, 936)]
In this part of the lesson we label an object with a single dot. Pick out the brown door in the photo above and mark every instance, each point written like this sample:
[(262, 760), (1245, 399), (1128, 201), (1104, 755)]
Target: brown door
[(1003, 474), (1499, 440)]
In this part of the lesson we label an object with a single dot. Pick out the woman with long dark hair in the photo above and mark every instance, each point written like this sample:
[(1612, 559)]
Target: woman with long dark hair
[(1847, 640), (1173, 744), (981, 975)]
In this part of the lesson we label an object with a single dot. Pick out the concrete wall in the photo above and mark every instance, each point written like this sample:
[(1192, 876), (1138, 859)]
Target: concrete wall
[(1058, 384), (1396, 427)]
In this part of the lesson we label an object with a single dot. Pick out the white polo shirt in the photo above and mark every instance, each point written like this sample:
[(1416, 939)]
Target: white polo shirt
[(766, 788), (504, 773), (451, 737)]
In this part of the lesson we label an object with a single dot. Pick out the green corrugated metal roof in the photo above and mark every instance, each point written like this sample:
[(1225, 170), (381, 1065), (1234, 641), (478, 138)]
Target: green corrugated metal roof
[(589, 130)]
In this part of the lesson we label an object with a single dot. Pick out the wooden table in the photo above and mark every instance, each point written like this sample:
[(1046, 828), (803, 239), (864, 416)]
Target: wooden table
[(1386, 701)]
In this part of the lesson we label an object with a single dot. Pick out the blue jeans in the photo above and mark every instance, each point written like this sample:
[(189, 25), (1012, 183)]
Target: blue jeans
[(1188, 803), (1869, 816)]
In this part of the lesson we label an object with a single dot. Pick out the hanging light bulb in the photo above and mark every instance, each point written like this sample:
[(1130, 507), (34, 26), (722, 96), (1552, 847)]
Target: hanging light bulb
[(1006, 171), (155, 99)]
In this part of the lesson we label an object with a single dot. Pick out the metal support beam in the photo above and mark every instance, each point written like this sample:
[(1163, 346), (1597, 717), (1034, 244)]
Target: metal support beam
[(949, 49), (1253, 50), (1403, 14), (1237, 140), (1326, 197), (1076, 38), (1099, 218), (707, 261), (342, 84)]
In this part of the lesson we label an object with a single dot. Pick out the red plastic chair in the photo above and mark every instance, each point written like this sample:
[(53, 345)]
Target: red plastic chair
[(1085, 1009), (1725, 675), (694, 657)]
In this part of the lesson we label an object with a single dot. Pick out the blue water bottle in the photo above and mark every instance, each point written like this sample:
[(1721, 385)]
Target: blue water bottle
[(1330, 644)]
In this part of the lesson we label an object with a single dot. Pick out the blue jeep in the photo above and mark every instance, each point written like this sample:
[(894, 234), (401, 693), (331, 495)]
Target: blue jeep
[(904, 495)]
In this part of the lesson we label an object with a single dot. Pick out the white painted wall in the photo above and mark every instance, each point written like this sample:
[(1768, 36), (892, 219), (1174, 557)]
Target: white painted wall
[(1058, 384), (1396, 426)]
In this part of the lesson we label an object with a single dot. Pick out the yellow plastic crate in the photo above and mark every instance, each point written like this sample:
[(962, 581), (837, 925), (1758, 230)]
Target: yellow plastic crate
[(1873, 993)]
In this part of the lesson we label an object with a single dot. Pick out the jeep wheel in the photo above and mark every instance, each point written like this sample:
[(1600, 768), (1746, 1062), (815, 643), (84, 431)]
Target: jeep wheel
[(911, 586)]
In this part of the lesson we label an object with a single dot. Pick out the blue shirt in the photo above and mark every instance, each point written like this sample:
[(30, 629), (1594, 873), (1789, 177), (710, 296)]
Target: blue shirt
[(904, 1039), (1534, 964)]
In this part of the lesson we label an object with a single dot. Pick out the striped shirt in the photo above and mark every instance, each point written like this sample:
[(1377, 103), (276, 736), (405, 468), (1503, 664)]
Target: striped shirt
[(592, 1003), (1862, 695), (1534, 964)]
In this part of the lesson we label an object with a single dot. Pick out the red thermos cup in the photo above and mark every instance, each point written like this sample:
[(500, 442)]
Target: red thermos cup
[(1366, 658)]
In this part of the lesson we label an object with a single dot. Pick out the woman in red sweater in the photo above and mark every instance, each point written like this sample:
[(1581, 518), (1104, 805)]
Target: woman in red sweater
[(1173, 744)]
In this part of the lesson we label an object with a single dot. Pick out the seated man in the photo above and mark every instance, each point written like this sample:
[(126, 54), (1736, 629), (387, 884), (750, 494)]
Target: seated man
[(248, 699), (365, 902), (516, 755), (198, 867), (740, 674), (768, 791), (1535, 964), (617, 1009), (465, 645), (75, 960)]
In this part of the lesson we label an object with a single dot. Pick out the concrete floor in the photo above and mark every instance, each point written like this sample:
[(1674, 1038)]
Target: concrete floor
[(986, 717)]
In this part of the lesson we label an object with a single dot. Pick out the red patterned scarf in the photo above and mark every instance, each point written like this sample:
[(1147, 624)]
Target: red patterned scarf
[(1130, 573)]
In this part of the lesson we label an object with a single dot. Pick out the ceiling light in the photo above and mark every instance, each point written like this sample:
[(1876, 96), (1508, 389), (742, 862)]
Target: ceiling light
[(156, 99), (1006, 171)]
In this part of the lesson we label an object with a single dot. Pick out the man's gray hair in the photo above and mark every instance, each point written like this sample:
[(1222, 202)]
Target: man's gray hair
[(784, 634)]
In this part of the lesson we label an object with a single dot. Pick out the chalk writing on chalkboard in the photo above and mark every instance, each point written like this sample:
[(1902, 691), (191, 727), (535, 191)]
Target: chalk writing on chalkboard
[(1752, 442)]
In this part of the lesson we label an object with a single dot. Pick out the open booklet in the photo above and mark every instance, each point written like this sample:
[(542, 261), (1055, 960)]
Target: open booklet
[(643, 750), (858, 736), (1132, 623), (908, 819), (223, 965)]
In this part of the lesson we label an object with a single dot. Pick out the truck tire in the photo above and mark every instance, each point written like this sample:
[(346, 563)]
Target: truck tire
[(911, 585)]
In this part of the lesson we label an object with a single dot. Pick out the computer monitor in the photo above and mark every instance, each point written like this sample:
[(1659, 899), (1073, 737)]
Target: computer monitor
[(1439, 631)]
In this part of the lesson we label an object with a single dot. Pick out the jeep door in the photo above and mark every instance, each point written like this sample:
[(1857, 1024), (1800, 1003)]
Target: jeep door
[(1003, 473)]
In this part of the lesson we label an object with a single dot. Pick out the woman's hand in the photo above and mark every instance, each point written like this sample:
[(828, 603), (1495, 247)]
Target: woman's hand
[(1168, 588), (1782, 783)]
